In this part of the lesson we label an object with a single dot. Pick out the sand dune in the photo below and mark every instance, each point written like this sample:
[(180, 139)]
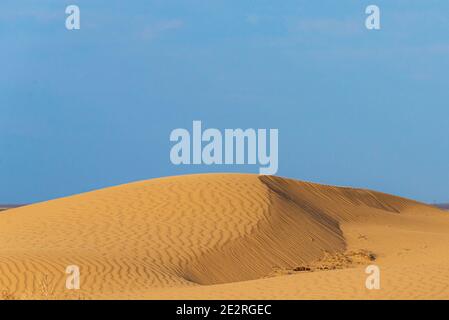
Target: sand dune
[(224, 236)]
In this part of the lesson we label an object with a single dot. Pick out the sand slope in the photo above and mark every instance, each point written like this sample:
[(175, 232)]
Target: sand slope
[(225, 236)]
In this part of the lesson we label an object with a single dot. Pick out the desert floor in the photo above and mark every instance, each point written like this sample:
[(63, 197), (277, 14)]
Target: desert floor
[(225, 236)]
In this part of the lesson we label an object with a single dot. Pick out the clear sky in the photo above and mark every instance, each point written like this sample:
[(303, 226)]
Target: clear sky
[(85, 109)]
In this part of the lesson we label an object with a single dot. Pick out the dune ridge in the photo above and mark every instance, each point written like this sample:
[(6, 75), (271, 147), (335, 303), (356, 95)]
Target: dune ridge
[(218, 236)]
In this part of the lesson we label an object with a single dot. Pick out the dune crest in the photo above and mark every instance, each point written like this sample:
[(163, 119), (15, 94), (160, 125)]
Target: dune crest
[(205, 236)]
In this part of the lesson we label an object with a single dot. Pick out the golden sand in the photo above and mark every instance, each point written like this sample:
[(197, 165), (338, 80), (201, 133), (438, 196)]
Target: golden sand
[(225, 236)]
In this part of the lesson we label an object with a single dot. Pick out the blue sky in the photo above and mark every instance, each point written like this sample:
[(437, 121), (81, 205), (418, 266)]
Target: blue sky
[(81, 110)]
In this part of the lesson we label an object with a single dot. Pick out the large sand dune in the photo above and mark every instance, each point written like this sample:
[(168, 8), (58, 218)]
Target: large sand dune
[(225, 236)]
